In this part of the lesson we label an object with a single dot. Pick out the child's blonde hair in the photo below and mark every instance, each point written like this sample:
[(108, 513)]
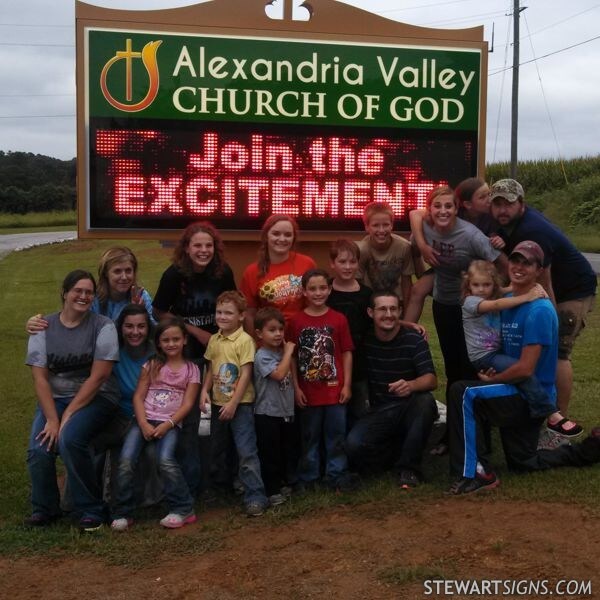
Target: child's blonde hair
[(377, 208), (236, 298), (482, 267)]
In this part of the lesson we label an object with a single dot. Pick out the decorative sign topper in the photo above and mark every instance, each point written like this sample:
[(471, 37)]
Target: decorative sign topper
[(181, 122)]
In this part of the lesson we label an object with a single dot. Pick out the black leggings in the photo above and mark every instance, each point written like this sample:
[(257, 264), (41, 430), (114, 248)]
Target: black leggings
[(449, 327)]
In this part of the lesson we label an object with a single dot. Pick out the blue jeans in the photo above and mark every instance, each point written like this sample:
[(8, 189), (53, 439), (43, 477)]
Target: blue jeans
[(327, 423), (188, 450), (74, 449), (177, 493), (393, 435), (241, 428), (540, 404)]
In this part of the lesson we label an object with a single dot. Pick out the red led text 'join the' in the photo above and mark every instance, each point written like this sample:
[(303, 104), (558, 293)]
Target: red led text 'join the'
[(255, 174)]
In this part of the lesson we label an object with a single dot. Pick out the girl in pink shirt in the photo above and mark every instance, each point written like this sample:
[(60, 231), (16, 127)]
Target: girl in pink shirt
[(166, 392)]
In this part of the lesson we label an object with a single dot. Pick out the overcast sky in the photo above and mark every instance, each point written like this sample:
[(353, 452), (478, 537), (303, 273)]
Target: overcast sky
[(559, 110)]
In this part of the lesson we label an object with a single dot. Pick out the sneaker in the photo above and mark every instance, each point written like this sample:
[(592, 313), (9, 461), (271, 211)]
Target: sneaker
[(408, 479), (550, 440), (39, 520), (254, 509), (175, 521), (468, 485), (121, 524), (277, 499), (90, 524)]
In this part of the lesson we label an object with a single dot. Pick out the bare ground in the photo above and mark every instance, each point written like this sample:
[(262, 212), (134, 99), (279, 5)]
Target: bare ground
[(369, 551)]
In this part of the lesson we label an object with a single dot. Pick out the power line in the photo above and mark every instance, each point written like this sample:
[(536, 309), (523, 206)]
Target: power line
[(547, 55), (501, 95), (537, 68), (529, 34), (465, 19), (420, 6)]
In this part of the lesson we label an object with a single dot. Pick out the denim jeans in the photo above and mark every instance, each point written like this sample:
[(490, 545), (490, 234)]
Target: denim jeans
[(241, 428), (188, 450), (393, 435), (327, 423), (74, 449), (177, 493), (539, 402)]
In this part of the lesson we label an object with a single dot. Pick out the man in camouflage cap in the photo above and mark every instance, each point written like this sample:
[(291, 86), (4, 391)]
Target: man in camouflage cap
[(567, 276)]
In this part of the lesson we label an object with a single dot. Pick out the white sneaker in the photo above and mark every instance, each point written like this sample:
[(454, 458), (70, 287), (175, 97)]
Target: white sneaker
[(121, 524), (175, 521)]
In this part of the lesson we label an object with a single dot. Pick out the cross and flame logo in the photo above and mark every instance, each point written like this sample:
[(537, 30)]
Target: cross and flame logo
[(148, 57)]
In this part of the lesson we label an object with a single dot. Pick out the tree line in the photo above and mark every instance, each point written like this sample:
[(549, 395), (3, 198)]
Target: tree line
[(36, 183)]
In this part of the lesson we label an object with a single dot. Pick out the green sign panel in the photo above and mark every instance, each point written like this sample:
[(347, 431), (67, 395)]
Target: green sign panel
[(183, 77)]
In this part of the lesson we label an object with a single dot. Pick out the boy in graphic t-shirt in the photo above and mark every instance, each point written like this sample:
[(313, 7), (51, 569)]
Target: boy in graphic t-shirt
[(322, 375)]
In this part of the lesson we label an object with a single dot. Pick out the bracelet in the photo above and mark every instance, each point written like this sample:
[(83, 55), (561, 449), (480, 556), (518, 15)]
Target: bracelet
[(172, 423)]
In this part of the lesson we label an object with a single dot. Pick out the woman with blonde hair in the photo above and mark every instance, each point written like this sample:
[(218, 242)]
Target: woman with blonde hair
[(117, 287)]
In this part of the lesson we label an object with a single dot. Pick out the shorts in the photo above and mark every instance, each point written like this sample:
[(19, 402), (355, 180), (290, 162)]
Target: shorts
[(571, 320)]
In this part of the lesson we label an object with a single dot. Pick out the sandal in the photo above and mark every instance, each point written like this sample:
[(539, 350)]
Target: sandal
[(559, 427), (174, 521)]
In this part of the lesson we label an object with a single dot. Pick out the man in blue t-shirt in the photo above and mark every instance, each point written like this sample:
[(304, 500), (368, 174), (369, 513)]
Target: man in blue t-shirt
[(567, 276), (530, 334)]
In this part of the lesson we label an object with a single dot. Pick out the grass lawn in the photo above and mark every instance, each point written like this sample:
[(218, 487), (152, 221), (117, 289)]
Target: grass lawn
[(30, 284), (42, 221)]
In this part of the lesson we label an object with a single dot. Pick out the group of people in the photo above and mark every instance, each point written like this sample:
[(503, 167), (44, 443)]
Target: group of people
[(341, 384)]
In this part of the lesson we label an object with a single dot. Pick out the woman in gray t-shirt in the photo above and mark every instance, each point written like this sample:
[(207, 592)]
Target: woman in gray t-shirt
[(457, 243), (71, 363)]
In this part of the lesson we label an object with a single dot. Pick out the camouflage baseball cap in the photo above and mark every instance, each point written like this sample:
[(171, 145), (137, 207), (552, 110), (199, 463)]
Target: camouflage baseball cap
[(509, 189)]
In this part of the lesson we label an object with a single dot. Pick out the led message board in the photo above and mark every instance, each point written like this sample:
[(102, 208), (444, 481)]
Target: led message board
[(184, 125)]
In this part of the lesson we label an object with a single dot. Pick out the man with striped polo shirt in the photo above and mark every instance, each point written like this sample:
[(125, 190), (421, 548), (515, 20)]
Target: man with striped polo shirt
[(401, 376)]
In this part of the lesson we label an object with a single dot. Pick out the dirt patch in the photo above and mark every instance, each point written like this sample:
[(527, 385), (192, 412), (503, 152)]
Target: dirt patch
[(368, 551)]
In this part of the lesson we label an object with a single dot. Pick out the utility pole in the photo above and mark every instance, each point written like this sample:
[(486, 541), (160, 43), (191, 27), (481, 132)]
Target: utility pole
[(514, 126)]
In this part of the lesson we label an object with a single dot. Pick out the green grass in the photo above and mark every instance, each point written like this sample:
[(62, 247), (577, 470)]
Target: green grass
[(42, 221), (30, 282)]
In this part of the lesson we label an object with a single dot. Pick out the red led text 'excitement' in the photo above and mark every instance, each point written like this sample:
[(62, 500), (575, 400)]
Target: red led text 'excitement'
[(256, 174)]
